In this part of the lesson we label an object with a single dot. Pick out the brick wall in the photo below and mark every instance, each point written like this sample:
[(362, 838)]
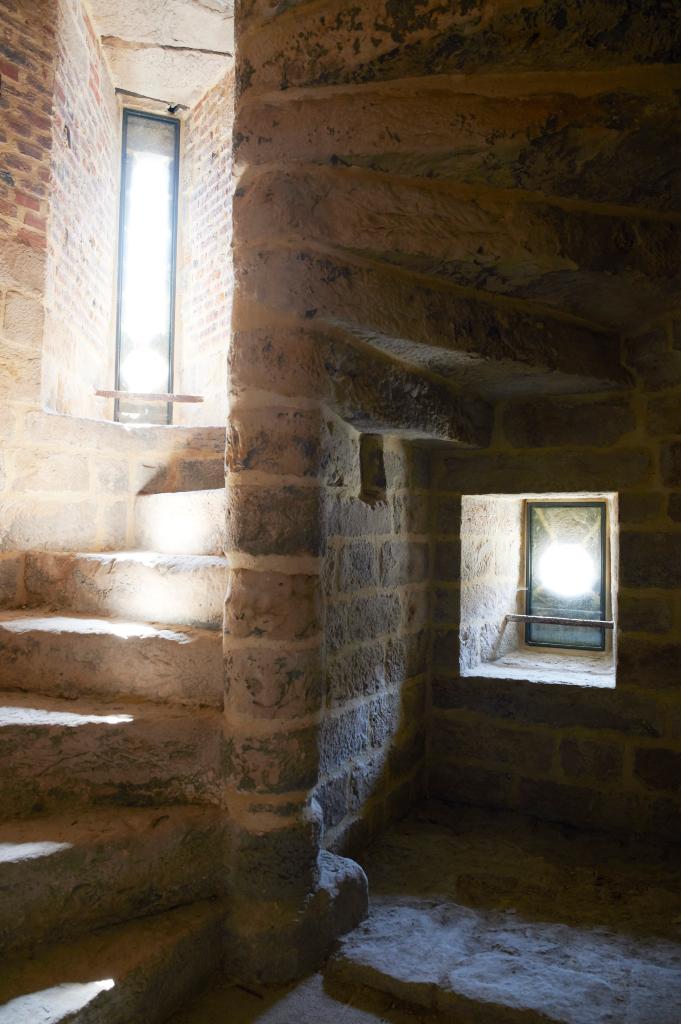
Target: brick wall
[(587, 756), (377, 638), (205, 275), (82, 233)]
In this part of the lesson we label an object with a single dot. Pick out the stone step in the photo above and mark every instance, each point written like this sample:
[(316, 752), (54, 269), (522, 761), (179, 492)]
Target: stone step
[(132, 585), (56, 754), (140, 971), (182, 522), (74, 656), (477, 967), (65, 875)]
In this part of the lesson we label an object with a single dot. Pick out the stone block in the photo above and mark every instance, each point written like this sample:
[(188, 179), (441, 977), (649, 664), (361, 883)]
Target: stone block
[(274, 520), (626, 712), (674, 507), (446, 650), (639, 613), (646, 664), (358, 566), (353, 517), (272, 605), (640, 507), (670, 464), (591, 759), (447, 516), (11, 580), (280, 762), (658, 768), (447, 561), (474, 785), (359, 672), (281, 441), (446, 605), (273, 683), (664, 415), (343, 736), (649, 559), (332, 795), (497, 746), (112, 476), (362, 618), (36, 471), (384, 718), (281, 861), (23, 320), (539, 472), (558, 422), (403, 562), (416, 609), (411, 513)]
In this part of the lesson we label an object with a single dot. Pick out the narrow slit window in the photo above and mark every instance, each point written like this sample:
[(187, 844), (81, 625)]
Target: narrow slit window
[(566, 573), (146, 269)]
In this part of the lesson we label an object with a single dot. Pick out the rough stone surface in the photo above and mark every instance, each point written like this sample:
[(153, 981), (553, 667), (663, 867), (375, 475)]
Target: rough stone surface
[(56, 873), (56, 754), (155, 963), (73, 656), (493, 918)]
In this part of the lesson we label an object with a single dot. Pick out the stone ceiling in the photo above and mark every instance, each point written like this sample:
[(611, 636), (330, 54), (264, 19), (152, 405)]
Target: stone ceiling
[(172, 50)]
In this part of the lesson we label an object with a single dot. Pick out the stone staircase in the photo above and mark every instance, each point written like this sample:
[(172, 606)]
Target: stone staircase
[(112, 842)]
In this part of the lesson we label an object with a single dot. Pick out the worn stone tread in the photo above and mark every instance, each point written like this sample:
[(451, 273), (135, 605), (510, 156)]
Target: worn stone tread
[(499, 967), (182, 522), (146, 585), (78, 655), (57, 754), (62, 875), (140, 971)]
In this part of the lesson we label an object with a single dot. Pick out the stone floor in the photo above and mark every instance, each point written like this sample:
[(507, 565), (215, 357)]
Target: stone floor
[(479, 917)]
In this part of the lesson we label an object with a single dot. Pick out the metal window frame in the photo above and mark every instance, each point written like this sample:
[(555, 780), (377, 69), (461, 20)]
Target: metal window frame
[(603, 506), (129, 112)]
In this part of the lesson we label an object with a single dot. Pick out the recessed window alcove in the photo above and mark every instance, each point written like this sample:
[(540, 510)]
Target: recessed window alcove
[(539, 587)]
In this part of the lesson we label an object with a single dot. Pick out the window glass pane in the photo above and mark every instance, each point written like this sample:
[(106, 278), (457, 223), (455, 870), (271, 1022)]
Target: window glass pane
[(566, 572), (146, 278)]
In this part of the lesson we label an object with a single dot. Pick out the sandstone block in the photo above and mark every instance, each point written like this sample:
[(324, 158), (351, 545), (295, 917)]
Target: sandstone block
[(24, 320), (275, 440), (343, 736), (33, 471), (664, 415), (274, 520), (362, 618), (640, 613), (273, 683), (649, 559), (358, 566), (589, 759), (272, 605), (496, 746), (594, 422), (670, 464), (281, 762), (658, 768)]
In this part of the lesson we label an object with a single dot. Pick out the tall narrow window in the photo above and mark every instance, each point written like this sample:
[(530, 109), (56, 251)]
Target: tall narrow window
[(146, 271), (566, 572)]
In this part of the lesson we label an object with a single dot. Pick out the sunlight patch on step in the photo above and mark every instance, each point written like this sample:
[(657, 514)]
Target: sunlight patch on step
[(85, 626), (52, 1005), (13, 853), (67, 719)]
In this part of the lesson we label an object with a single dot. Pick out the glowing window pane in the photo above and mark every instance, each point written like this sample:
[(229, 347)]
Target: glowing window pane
[(566, 572), (147, 263)]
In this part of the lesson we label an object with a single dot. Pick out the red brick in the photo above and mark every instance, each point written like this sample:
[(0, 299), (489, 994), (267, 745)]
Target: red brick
[(9, 70), (30, 202)]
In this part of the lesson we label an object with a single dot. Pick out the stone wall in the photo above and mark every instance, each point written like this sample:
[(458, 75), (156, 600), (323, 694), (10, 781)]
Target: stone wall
[(377, 638), (78, 352), (588, 756), (205, 273)]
